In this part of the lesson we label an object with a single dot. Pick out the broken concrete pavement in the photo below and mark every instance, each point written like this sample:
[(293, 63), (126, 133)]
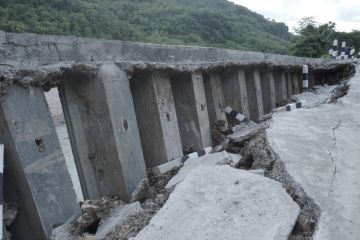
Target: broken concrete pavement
[(319, 147), (220, 202)]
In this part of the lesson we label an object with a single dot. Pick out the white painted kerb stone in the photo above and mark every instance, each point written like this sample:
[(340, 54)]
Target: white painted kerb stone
[(220, 202)]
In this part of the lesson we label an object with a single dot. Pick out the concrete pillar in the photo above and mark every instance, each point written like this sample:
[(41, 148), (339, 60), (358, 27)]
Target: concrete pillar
[(234, 84), (266, 92), (36, 177), (191, 110), (295, 83), (254, 94), (157, 119), (104, 134), (283, 87), (2, 234), (289, 85), (271, 79), (215, 97)]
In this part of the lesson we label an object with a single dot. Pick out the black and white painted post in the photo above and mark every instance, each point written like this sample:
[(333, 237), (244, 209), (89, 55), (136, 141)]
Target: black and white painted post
[(291, 106), (236, 115), (1, 189), (197, 154), (334, 50), (343, 51), (305, 76), (352, 53), (166, 167), (296, 105)]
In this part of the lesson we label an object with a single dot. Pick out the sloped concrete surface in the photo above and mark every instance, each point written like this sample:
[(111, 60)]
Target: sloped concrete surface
[(220, 202), (320, 148), (207, 160)]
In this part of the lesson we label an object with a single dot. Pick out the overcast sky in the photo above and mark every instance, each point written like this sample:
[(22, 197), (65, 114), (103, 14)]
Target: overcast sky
[(345, 13)]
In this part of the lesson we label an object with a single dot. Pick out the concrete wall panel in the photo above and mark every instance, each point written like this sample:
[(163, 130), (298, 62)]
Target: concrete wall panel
[(105, 139), (156, 116), (36, 177)]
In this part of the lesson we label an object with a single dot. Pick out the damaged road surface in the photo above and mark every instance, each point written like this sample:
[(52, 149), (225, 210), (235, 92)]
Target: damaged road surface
[(320, 149), (221, 202)]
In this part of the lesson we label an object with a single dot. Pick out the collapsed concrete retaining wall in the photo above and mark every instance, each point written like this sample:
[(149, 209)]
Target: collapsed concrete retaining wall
[(128, 107)]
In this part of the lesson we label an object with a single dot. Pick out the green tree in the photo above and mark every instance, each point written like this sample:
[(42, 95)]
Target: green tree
[(312, 39)]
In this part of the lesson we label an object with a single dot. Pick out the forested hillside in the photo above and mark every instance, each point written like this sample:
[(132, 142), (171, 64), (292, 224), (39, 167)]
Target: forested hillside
[(217, 23)]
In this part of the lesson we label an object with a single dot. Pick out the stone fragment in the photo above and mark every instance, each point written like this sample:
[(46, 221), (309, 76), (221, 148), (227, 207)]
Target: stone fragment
[(244, 132), (61, 233), (117, 218), (207, 160), (140, 191)]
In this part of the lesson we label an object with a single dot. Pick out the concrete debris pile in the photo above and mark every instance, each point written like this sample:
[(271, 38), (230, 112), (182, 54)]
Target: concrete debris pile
[(220, 202), (111, 218), (10, 212)]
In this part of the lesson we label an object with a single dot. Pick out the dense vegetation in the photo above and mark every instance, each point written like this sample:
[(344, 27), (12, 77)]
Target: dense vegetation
[(216, 23), (314, 40)]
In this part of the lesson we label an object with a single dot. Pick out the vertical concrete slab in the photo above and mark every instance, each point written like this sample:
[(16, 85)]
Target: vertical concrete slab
[(36, 177), (101, 122), (266, 92), (283, 87), (157, 119), (272, 89), (215, 97), (300, 82), (289, 85), (191, 110), (254, 94), (1, 189), (295, 83), (259, 95), (234, 84), (278, 88), (312, 78)]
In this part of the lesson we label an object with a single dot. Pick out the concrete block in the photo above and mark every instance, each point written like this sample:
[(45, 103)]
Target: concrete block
[(220, 202), (215, 97), (104, 133), (1, 188), (254, 94), (266, 92), (295, 83), (289, 85), (116, 218), (207, 160), (283, 87), (157, 119), (272, 89), (191, 110), (244, 131), (235, 92), (36, 177)]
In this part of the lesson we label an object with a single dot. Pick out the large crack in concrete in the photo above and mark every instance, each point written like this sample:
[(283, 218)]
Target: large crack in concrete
[(266, 158), (333, 156)]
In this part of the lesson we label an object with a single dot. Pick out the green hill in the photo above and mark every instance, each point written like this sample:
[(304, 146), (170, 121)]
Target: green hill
[(216, 23)]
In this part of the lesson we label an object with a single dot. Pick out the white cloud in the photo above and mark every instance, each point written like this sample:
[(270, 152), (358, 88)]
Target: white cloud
[(345, 13)]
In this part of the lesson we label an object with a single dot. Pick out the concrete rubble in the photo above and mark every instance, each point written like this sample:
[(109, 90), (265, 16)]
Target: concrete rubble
[(220, 202)]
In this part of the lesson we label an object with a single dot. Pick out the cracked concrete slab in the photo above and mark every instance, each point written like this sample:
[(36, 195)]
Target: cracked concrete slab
[(220, 202), (319, 147)]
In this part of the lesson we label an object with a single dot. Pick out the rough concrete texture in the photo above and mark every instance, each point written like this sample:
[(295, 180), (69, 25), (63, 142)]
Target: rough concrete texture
[(36, 177), (320, 95), (35, 49), (104, 132), (207, 160), (244, 131), (220, 202), (319, 147), (117, 218)]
